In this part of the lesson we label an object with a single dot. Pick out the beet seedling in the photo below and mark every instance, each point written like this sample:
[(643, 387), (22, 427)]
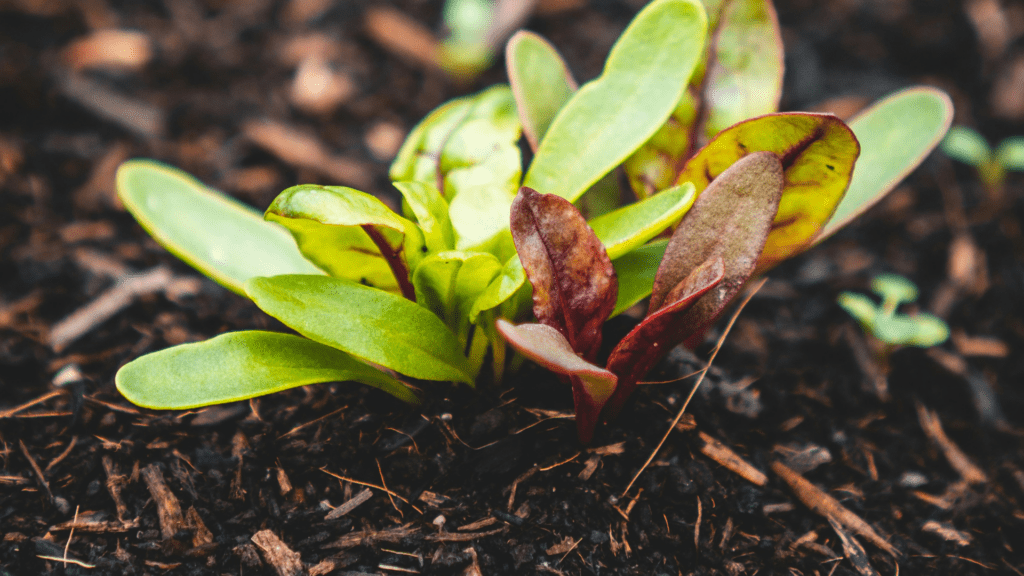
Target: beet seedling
[(685, 106), (881, 320), (971, 148)]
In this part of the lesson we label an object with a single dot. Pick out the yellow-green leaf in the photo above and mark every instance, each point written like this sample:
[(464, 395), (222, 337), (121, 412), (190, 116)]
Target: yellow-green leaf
[(817, 151), (540, 80), (631, 226)]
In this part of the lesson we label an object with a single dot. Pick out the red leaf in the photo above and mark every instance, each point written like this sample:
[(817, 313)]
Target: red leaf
[(661, 331), (591, 385), (731, 219), (574, 284)]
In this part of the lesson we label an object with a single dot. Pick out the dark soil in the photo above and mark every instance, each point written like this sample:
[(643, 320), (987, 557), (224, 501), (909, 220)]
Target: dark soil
[(185, 493)]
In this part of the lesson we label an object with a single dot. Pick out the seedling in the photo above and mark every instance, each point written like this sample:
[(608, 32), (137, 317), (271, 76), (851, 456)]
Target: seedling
[(428, 293), (881, 320), (970, 147)]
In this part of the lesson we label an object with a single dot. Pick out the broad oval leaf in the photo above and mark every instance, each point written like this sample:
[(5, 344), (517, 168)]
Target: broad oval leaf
[(511, 278), (591, 384), (540, 80), (630, 227), (242, 365), (574, 285), (449, 283), (817, 151), (430, 211), (350, 234), (636, 271), (370, 324), (608, 118), (731, 219), (660, 331), (418, 158), (214, 233), (896, 134)]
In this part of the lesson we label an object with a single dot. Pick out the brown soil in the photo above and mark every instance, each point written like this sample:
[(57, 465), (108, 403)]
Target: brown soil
[(491, 481)]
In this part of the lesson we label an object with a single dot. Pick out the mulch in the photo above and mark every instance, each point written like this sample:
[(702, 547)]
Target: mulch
[(801, 452)]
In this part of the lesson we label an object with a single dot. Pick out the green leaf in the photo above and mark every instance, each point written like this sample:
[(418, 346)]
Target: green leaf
[(242, 365), (592, 385), (861, 307), (1010, 153), (350, 234), (655, 165), (541, 82), (214, 233), (511, 278), (430, 210), (894, 289), (636, 271), (417, 159), (966, 145), (370, 324), (608, 118), (449, 283), (630, 227), (895, 135)]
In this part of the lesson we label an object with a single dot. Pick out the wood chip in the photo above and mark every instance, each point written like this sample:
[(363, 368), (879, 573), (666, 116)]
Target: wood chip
[(106, 305), (464, 536), (168, 509), (489, 521), (137, 116), (568, 544), (109, 49), (350, 505), (402, 35), (318, 88), (854, 551), (304, 150), (947, 532), (820, 502), (276, 553), (590, 467), (201, 535), (724, 455), (960, 462), (94, 525), (372, 537), (980, 345)]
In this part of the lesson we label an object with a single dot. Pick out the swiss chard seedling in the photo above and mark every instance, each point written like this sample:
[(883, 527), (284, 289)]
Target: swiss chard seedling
[(882, 321), (971, 148), (685, 107)]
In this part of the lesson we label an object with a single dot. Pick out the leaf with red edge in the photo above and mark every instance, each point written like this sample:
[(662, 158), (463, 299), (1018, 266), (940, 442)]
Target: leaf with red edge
[(591, 384), (731, 219), (817, 151), (661, 331), (574, 284)]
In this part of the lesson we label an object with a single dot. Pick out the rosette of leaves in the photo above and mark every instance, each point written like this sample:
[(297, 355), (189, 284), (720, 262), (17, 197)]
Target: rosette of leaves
[(377, 296)]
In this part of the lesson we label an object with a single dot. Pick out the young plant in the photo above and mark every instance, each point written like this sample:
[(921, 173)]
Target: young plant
[(967, 146), (377, 296), (881, 320)]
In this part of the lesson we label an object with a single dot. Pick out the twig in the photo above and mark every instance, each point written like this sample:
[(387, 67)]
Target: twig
[(820, 502), (62, 455), (367, 484), (168, 509), (725, 456), (35, 468), (350, 504), (70, 534), (932, 427), (385, 485), (703, 373), (10, 412)]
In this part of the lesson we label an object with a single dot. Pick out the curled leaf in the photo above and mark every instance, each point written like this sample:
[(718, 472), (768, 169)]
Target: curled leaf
[(591, 384), (731, 219), (631, 226), (817, 152), (239, 366), (350, 234), (430, 211), (574, 285), (449, 283), (511, 278)]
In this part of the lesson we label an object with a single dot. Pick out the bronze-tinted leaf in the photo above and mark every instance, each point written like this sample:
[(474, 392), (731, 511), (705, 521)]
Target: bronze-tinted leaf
[(574, 284), (661, 331), (731, 219)]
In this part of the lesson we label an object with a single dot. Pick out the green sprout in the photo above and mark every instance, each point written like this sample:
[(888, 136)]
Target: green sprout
[(881, 320), (968, 146), (431, 293)]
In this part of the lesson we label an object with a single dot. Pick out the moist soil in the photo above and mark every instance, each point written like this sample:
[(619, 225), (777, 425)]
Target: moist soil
[(342, 479)]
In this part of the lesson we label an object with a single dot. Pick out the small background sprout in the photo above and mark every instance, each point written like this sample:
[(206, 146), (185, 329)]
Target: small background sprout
[(881, 320)]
